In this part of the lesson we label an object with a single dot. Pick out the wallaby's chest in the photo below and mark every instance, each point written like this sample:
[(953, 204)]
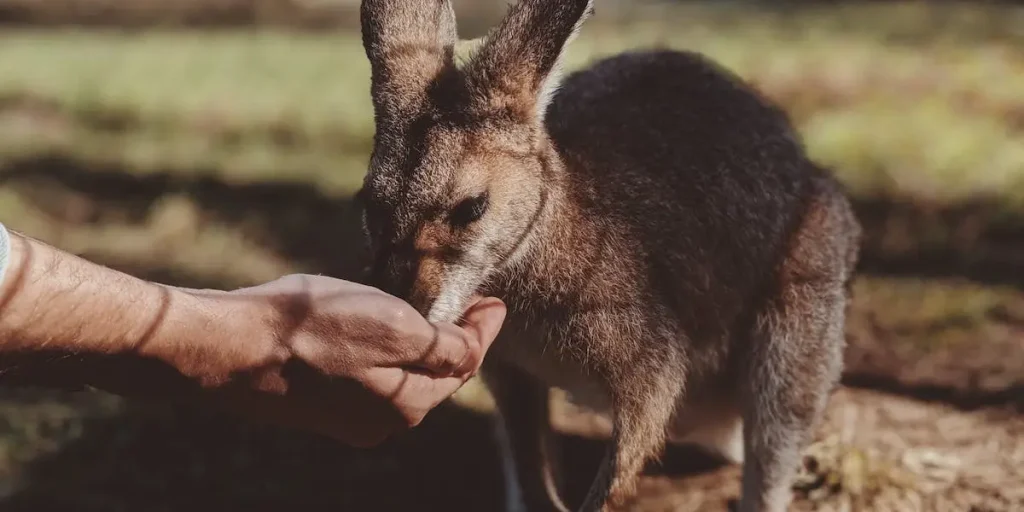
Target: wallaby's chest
[(711, 413), (538, 352)]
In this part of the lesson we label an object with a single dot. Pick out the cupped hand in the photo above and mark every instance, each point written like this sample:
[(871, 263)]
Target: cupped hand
[(343, 359)]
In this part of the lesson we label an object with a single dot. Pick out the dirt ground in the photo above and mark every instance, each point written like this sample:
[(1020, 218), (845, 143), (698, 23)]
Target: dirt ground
[(881, 452)]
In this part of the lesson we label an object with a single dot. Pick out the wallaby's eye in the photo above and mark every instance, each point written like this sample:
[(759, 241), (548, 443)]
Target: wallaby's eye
[(469, 210)]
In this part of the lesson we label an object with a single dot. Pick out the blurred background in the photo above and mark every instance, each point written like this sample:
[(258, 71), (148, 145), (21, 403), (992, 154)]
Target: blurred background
[(216, 143)]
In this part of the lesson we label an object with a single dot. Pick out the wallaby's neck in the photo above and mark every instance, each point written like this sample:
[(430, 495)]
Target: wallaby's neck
[(556, 240)]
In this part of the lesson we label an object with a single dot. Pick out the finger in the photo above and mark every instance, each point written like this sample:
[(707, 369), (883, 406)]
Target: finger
[(411, 395), (393, 334), (483, 320), (418, 394), (448, 350), (459, 351)]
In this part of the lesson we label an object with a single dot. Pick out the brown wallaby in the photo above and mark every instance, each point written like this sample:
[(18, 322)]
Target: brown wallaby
[(667, 251)]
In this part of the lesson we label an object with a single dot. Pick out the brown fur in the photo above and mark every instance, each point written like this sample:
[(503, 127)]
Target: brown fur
[(666, 249)]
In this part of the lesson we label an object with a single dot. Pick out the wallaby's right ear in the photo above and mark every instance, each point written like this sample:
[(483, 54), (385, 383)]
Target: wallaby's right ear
[(518, 63), (409, 44)]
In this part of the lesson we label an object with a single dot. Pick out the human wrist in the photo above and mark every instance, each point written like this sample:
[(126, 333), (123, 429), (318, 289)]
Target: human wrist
[(217, 338)]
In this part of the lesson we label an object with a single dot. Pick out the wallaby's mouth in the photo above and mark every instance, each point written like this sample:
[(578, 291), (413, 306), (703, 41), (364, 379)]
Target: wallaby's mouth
[(457, 288), (440, 297)]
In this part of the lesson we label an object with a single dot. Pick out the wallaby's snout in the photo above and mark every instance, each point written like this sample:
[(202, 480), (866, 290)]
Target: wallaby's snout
[(428, 263), (411, 271)]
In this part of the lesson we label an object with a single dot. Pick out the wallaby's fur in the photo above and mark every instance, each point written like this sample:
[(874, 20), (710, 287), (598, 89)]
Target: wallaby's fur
[(667, 250)]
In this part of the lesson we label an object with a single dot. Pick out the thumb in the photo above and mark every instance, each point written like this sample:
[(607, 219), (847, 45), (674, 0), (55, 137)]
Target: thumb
[(459, 350), (483, 321)]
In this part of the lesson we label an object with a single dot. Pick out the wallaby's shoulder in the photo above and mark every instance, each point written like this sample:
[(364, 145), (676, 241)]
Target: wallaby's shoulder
[(680, 122), (682, 85), (677, 128)]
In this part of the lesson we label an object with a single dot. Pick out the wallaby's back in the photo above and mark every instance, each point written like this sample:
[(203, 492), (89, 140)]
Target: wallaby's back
[(692, 164)]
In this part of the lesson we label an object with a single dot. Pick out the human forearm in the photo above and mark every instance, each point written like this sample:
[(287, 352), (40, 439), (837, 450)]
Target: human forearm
[(66, 320), (56, 301)]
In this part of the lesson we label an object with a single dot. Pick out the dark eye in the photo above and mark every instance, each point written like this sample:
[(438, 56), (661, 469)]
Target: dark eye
[(469, 210)]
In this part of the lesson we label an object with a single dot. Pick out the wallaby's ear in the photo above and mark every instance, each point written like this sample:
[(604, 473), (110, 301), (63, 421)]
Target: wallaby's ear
[(517, 65), (409, 43)]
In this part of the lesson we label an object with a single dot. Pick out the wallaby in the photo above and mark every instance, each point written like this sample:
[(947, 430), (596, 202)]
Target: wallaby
[(667, 250)]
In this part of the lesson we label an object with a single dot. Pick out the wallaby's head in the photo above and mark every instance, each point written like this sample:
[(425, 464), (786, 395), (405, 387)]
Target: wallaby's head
[(460, 158)]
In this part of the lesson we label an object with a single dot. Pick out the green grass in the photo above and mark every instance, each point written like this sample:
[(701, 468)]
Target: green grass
[(260, 106), (936, 118)]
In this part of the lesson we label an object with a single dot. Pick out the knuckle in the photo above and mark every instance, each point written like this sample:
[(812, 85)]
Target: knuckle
[(413, 418), (471, 356), (449, 360), (447, 355)]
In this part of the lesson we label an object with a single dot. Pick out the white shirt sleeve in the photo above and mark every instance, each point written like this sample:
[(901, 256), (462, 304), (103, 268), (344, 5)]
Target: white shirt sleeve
[(5, 251)]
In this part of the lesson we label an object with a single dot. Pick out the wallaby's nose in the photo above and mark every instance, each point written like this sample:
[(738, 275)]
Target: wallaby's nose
[(397, 274), (408, 277), (393, 274)]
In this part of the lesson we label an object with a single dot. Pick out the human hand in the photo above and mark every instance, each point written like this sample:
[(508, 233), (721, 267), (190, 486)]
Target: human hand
[(338, 358), (309, 352)]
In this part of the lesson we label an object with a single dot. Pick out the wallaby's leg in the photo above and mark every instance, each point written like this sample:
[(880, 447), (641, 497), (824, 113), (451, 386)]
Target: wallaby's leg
[(643, 403), (526, 440), (795, 364)]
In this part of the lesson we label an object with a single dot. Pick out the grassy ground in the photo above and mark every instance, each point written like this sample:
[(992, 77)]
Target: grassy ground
[(244, 146)]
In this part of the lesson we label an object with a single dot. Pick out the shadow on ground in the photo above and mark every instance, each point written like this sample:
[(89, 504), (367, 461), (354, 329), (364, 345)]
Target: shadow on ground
[(296, 220), (980, 240), (177, 460)]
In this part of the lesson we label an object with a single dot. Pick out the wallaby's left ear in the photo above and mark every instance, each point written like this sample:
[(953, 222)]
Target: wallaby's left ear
[(518, 63), (409, 43)]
